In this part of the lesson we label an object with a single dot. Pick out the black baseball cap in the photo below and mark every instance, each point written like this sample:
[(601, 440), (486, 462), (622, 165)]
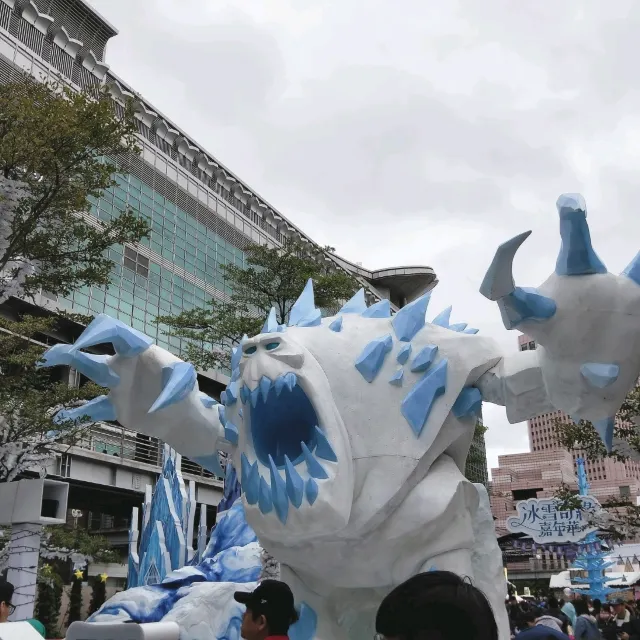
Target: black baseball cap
[(6, 591), (271, 598)]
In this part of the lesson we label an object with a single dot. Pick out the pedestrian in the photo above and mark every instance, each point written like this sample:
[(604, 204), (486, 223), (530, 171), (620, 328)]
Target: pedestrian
[(622, 614), (7, 608), (534, 626), (270, 611), (554, 610), (586, 627)]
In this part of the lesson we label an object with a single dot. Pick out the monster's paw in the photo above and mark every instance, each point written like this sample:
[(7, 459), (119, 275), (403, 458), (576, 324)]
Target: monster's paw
[(584, 320), (150, 390)]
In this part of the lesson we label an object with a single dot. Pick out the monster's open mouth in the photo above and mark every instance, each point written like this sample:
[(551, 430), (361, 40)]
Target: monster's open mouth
[(283, 421)]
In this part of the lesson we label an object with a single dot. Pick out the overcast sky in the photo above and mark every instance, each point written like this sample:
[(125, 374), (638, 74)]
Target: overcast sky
[(413, 132)]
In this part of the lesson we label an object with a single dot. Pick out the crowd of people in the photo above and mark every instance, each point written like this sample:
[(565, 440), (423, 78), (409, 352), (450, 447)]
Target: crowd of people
[(581, 619)]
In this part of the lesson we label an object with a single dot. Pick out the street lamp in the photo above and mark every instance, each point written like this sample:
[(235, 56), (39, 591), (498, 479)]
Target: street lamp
[(536, 560)]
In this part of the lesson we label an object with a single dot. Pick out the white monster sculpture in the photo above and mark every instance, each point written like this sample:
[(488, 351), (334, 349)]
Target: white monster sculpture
[(351, 432)]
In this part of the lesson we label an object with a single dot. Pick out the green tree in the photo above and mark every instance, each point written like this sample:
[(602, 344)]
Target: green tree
[(49, 600), (64, 541), (272, 278), (55, 146), (75, 598), (98, 593)]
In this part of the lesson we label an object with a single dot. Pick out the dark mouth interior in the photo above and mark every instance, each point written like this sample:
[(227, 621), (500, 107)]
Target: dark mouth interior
[(280, 424)]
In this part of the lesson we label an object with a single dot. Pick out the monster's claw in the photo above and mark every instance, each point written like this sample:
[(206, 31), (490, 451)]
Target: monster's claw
[(127, 342), (178, 379), (92, 366), (605, 431), (100, 408), (498, 281)]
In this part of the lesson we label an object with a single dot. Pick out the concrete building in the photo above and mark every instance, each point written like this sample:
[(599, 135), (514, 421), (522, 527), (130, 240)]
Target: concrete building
[(202, 216)]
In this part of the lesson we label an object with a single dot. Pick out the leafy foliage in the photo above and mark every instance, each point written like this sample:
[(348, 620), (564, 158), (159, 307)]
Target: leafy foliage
[(75, 601), (49, 600), (61, 539), (98, 594), (54, 143), (273, 277)]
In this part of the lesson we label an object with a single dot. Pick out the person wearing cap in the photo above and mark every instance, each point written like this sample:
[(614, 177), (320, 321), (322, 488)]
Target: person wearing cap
[(622, 614), (270, 611)]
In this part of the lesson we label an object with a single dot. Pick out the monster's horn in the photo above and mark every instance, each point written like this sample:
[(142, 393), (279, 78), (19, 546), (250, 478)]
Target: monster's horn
[(304, 312), (126, 341), (577, 257)]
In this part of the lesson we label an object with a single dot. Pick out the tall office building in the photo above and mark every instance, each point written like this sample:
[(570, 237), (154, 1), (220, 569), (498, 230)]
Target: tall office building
[(202, 216)]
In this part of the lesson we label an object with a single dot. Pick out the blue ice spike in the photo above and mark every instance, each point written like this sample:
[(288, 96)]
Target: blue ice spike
[(468, 403), (403, 354), (271, 325), (336, 325), (357, 304), (443, 318), (633, 270), (577, 257), (313, 466), (424, 358), (311, 490), (100, 408), (126, 340), (250, 480), (458, 327), (600, 375), (323, 449), (304, 312), (279, 493), (231, 432), (305, 627), (411, 318), (294, 483), (381, 309), (605, 431), (371, 359), (397, 378), (92, 366), (178, 379), (418, 403), (265, 501)]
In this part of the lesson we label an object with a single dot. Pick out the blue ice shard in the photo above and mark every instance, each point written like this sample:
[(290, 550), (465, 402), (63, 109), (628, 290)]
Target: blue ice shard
[(577, 257), (420, 400), (265, 500), (357, 304), (471, 331), (381, 309), (92, 366), (323, 449), (126, 340), (210, 463), (633, 270), (424, 358), (404, 353), (525, 304), (397, 378), (468, 403), (294, 483), (336, 325), (600, 375), (236, 355), (291, 380), (231, 432), (244, 393), (271, 325), (100, 408), (307, 624), (304, 312), (265, 385), (250, 480), (605, 431), (279, 493), (371, 359), (313, 466), (232, 391), (411, 318), (459, 327), (178, 380), (311, 490), (443, 318)]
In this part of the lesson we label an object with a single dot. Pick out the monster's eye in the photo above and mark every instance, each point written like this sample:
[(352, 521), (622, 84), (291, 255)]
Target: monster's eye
[(249, 351), (270, 346)]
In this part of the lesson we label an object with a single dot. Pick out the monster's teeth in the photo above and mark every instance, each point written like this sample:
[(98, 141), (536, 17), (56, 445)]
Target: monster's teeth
[(265, 385), (264, 499), (294, 483), (311, 490), (254, 397), (231, 433), (244, 394), (279, 493), (324, 449), (291, 380), (250, 480), (280, 384), (313, 466)]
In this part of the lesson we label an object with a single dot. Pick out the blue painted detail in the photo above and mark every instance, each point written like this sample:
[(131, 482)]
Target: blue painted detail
[(232, 393), (525, 304), (222, 415), (633, 270), (279, 493), (265, 501), (311, 490), (231, 432), (443, 318), (600, 375), (411, 318), (370, 361), (397, 378), (424, 358), (280, 384), (291, 380), (471, 331), (498, 281), (577, 256), (240, 412), (307, 624), (420, 400), (178, 380), (468, 403), (210, 463), (459, 327), (404, 353), (231, 490), (357, 304), (244, 394), (323, 448), (100, 408), (313, 466), (265, 386), (93, 367), (304, 310), (381, 309), (250, 480), (127, 342), (336, 325), (271, 324), (255, 394), (294, 483), (223, 398), (605, 431), (235, 374), (236, 356), (312, 320)]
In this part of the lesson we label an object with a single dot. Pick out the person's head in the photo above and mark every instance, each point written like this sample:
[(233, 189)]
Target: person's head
[(437, 605), (270, 610), (528, 619), (581, 606), (597, 605), (553, 603), (6, 594)]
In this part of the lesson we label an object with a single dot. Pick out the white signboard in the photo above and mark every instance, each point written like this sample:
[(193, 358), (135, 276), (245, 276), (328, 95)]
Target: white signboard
[(541, 519)]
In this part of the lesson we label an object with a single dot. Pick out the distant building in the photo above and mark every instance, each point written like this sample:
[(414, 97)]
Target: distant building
[(476, 468)]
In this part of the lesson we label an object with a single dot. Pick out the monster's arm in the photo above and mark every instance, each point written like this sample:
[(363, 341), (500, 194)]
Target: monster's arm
[(151, 391), (516, 383)]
